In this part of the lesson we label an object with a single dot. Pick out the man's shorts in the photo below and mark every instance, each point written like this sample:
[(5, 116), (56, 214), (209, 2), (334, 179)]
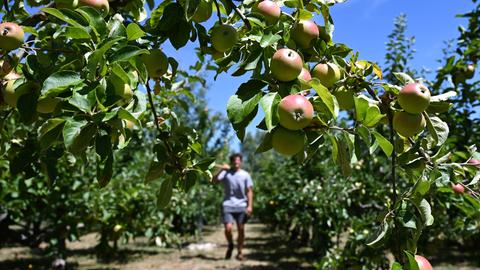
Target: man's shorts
[(238, 217)]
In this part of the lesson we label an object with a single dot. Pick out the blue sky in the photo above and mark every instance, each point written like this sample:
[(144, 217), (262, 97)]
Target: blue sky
[(364, 26)]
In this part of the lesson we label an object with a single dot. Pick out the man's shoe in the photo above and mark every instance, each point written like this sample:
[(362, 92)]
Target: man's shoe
[(239, 256), (229, 251)]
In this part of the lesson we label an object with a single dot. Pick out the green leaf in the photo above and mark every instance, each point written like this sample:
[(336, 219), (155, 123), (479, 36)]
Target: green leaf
[(437, 129), (341, 155), (269, 104), (134, 32), (325, 96), (404, 78), (269, 39), (245, 101), (74, 32), (99, 54), (60, 81), (165, 193), (426, 212), (361, 107), (27, 108), (50, 131), (377, 238), (126, 53), (83, 102), (412, 263), (266, 143), (385, 144), (59, 15), (179, 34), (77, 135), (95, 20), (105, 170), (396, 266), (155, 171), (372, 116)]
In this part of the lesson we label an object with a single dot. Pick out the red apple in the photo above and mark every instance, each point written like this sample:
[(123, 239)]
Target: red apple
[(328, 74), (286, 65), (474, 162), (407, 124), (304, 32), (423, 264), (414, 98), (295, 112), (458, 188), (203, 12), (98, 4), (288, 142), (156, 63), (11, 36), (224, 37), (270, 10), (304, 77)]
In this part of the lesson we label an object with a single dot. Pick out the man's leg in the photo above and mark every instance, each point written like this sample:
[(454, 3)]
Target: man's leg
[(228, 235), (240, 240)]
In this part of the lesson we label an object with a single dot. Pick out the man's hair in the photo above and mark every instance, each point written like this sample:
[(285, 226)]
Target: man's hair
[(233, 156)]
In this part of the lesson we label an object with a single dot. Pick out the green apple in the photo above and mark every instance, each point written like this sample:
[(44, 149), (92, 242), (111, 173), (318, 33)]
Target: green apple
[(304, 77), (224, 37), (102, 5), (122, 90), (156, 63), (11, 36), (203, 12), (414, 98), (288, 142), (345, 98), (70, 4), (12, 93), (327, 73), (407, 124), (286, 65), (304, 32), (47, 105), (269, 9), (423, 264), (469, 71), (295, 112)]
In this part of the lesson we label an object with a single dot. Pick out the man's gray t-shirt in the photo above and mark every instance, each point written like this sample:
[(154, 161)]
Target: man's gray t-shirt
[(235, 184)]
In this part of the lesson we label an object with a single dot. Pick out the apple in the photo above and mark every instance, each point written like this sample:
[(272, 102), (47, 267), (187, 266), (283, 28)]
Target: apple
[(269, 9), (414, 98), (47, 105), (156, 63), (70, 4), (304, 77), (295, 112), (327, 73), (224, 37), (458, 188), (469, 71), (11, 94), (423, 264), (98, 4), (286, 65), (203, 12), (345, 98), (288, 142), (304, 32), (117, 228), (129, 124), (474, 162), (11, 36), (407, 124), (122, 90)]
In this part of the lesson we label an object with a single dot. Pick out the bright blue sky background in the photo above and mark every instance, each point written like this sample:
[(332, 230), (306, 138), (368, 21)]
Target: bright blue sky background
[(364, 26)]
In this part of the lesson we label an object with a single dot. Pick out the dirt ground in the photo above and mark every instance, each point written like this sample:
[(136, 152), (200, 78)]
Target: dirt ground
[(263, 251)]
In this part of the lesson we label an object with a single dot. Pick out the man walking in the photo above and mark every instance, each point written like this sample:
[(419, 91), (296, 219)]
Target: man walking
[(237, 201)]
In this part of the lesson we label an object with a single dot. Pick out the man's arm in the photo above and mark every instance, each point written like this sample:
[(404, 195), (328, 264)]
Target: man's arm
[(222, 167), (250, 201)]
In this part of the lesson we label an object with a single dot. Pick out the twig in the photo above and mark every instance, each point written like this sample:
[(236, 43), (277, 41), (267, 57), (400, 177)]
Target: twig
[(239, 13), (218, 12), (49, 49), (154, 111), (421, 152), (372, 93)]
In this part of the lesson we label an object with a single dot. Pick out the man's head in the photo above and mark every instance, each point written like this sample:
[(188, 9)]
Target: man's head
[(236, 161)]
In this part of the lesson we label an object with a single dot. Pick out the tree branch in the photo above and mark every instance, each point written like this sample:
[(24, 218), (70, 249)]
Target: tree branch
[(218, 12), (239, 13)]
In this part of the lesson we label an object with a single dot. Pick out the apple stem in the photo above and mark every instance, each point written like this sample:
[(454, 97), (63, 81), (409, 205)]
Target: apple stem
[(239, 13), (218, 12)]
